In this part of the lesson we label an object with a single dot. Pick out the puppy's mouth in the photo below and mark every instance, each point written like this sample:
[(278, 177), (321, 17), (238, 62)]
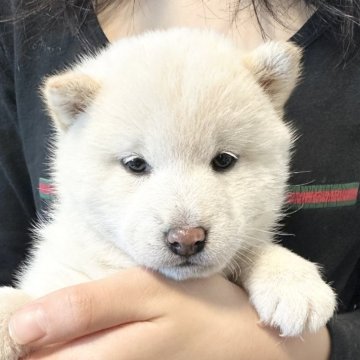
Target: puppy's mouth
[(191, 265), (187, 269), (186, 263)]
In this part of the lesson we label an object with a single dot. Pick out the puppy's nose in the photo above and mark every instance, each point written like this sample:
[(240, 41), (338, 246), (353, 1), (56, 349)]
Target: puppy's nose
[(186, 241)]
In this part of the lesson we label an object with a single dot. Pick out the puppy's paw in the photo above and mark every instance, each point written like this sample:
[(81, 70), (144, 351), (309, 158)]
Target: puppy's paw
[(10, 300), (289, 294)]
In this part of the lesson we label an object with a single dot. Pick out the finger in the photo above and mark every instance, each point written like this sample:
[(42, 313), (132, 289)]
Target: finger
[(124, 342), (126, 297)]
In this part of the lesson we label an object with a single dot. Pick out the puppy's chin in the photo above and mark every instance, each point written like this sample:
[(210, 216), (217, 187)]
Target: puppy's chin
[(188, 271)]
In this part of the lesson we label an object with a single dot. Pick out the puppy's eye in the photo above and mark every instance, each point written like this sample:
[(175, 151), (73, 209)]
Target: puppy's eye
[(136, 165), (223, 161)]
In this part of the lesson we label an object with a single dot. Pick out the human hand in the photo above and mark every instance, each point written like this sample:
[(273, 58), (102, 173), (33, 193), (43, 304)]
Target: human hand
[(137, 314)]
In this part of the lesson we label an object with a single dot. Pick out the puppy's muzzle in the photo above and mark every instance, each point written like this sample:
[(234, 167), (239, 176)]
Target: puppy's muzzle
[(186, 241)]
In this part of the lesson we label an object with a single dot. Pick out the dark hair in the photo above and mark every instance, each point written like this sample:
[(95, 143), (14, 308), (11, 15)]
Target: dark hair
[(343, 16)]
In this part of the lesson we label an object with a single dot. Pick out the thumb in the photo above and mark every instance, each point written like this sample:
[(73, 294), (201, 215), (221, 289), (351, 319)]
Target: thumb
[(83, 309)]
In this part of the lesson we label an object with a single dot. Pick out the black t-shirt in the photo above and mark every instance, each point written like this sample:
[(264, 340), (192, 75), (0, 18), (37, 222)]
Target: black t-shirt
[(323, 213)]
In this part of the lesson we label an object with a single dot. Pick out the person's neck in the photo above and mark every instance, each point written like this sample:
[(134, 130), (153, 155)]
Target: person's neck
[(132, 18)]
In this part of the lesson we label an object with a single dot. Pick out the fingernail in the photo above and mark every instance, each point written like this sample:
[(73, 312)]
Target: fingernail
[(27, 325)]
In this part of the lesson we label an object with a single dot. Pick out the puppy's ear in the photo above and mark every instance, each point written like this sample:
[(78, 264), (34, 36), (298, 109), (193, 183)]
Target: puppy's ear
[(67, 96), (276, 67)]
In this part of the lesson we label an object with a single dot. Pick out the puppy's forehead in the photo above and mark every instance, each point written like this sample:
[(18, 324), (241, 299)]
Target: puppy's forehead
[(178, 117), (185, 99)]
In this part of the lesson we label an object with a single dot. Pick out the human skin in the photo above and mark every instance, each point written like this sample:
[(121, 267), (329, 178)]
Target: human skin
[(137, 314), (126, 20)]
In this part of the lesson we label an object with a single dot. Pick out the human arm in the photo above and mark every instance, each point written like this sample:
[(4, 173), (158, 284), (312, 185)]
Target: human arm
[(203, 319)]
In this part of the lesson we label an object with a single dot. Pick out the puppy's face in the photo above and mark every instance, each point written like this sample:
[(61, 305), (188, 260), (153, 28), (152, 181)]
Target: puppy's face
[(171, 132)]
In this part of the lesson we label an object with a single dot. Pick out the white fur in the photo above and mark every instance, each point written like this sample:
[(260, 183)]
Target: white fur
[(176, 98)]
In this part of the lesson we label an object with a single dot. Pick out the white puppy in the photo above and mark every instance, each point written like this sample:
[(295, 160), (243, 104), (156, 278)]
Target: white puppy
[(171, 153)]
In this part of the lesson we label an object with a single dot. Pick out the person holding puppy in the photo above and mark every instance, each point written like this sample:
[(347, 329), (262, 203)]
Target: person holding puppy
[(205, 318)]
